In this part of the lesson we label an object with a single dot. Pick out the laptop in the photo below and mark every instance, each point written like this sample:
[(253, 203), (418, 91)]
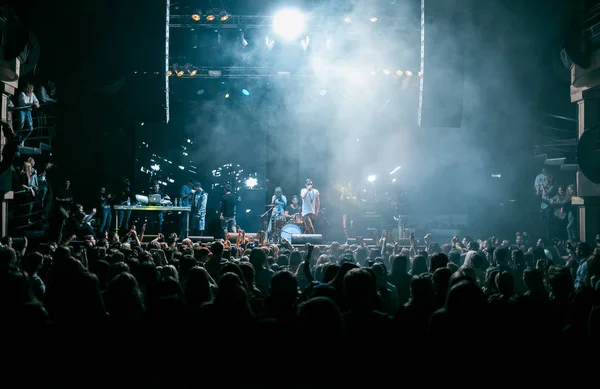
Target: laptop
[(154, 199)]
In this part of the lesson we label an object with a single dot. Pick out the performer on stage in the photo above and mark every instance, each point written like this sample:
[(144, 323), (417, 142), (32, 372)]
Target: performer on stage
[(280, 202), (228, 208), (159, 217), (293, 209), (199, 200), (311, 205), (349, 204)]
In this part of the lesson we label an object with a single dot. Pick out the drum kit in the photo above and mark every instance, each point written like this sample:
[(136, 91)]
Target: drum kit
[(283, 227)]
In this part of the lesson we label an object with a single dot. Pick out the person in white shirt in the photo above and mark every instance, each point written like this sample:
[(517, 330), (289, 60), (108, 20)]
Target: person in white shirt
[(27, 99), (311, 204)]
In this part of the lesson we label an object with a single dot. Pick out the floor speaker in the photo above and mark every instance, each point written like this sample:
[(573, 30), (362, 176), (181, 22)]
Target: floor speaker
[(234, 235), (202, 239), (307, 238), (443, 51)]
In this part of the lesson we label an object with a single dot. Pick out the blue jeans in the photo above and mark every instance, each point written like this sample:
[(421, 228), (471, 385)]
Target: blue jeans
[(124, 217), (25, 117), (105, 219)]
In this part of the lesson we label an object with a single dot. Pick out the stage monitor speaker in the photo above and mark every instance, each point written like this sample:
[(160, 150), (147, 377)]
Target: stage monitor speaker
[(444, 63), (404, 242), (202, 239), (307, 238), (367, 241), (234, 235)]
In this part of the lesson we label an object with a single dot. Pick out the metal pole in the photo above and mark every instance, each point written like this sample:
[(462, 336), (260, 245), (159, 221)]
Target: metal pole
[(422, 62), (167, 33)]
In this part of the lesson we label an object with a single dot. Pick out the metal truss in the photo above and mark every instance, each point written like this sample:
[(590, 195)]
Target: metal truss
[(264, 72), (234, 21), (259, 21)]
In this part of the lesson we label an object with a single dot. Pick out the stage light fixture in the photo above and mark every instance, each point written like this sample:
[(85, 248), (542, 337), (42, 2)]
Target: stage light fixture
[(409, 73), (399, 73), (196, 17), (373, 20), (289, 23), (210, 18), (192, 72), (372, 178), (169, 73), (179, 73), (386, 72), (347, 19), (420, 74), (227, 95), (245, 92), (224, 17)]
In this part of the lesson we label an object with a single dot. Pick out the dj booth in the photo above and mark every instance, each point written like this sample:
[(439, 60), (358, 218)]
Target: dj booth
[(153, 208)]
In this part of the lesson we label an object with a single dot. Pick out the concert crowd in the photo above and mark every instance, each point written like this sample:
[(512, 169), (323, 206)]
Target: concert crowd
[(262, 294)]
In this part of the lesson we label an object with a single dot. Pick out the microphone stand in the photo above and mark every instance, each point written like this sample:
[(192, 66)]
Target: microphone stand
[(266, 224), (322, 212)]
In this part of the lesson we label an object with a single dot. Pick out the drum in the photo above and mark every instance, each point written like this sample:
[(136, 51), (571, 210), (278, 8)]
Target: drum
[(288, 230), (279, 224), (298, 219)]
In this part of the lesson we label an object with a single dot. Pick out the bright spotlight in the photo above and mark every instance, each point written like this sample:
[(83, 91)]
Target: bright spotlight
[(196, 17), (347, 19), (289, 24), (386, 72), (155, 167), (409, 73), (372, 178), (251, 182), (227, 95), (373, 20), (245, 92), (399, 73)]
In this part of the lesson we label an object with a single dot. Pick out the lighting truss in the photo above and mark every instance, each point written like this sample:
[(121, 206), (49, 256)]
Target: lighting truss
[(267, 72), (259, 21)]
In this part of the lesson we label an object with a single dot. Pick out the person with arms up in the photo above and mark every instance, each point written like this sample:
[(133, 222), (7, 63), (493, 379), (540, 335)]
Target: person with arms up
[(311, 204), (228, 208)]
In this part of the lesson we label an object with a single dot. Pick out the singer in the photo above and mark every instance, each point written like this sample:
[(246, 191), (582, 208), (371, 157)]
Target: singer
[(311, 205)]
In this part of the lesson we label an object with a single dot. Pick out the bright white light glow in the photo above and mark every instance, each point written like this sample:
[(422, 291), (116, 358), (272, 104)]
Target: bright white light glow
[(394, 180), (251, 182), (372, 178), (323, 92), (496, 175), (155, 167), (181, 167), (248, 210), (289, 24), (395, 170)]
